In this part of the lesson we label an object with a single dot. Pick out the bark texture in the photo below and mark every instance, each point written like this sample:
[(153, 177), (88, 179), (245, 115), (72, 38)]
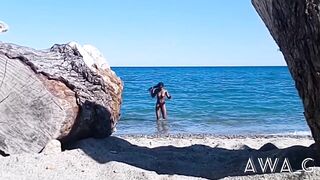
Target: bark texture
[(53, 94), (295, 26)]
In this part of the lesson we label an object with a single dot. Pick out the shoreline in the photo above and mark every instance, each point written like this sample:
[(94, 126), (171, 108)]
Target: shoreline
[(209, 135), (231, 142)]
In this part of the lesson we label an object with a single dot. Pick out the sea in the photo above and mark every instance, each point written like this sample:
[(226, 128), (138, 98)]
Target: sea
[(212, 100)]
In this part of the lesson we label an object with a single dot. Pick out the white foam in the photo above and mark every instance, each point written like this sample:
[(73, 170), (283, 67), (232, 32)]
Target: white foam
[(301, 133), (91, 56), (295, 133), (3, 27)]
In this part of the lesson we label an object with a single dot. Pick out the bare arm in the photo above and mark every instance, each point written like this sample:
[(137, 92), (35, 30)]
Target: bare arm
[(168, 95), (152, 92)]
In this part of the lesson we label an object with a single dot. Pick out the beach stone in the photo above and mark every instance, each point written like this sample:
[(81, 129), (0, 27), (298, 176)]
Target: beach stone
[(57, 93), (53, 147), (295, 26)]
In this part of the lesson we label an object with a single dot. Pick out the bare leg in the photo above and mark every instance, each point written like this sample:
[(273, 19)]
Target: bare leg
[(159, 127), (162, 127), (164, 111), (158, 111)]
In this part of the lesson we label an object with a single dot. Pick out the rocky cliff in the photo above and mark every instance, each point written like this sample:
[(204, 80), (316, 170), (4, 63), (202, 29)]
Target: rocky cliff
[(67, 92)]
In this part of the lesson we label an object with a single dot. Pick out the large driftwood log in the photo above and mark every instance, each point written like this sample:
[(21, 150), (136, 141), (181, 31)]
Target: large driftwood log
[(295, 26), (54, 94)]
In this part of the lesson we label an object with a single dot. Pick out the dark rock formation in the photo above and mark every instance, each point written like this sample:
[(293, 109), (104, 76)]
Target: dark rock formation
[(54, 94), (295, 26)]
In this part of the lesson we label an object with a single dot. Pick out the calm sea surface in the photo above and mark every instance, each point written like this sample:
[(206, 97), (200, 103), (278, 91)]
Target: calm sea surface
[(215, 100)]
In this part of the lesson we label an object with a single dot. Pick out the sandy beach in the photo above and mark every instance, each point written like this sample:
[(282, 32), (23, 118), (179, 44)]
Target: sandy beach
[(160, 90), (162, 157)]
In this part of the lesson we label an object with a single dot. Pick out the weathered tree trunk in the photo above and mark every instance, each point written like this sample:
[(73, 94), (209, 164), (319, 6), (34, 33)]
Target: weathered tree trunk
[(295, 26), (53, 94)]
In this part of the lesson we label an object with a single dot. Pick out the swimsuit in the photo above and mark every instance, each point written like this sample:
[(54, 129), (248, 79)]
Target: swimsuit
[(161, 103)]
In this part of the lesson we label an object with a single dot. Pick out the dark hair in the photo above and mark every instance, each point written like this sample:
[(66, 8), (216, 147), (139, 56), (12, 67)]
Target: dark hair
[(160, 84), (156, 87)]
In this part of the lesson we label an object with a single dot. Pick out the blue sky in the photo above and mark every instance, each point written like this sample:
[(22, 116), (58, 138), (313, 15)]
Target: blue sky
[(147, 32)]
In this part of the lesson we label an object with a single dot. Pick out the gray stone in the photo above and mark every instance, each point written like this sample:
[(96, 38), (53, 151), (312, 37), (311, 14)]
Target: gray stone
[(53, 147)]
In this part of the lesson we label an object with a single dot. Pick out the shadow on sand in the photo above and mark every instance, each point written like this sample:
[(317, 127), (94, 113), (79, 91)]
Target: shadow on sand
[(196, 160)]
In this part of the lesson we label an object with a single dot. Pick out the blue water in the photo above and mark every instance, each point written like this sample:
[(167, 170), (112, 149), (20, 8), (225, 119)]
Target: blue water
[(215, 100)]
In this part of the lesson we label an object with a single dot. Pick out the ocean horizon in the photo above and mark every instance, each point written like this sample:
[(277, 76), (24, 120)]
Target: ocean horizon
[(221, 100)]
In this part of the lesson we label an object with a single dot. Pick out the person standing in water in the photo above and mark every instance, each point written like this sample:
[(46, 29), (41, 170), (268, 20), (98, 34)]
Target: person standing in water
[(161, 94)]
